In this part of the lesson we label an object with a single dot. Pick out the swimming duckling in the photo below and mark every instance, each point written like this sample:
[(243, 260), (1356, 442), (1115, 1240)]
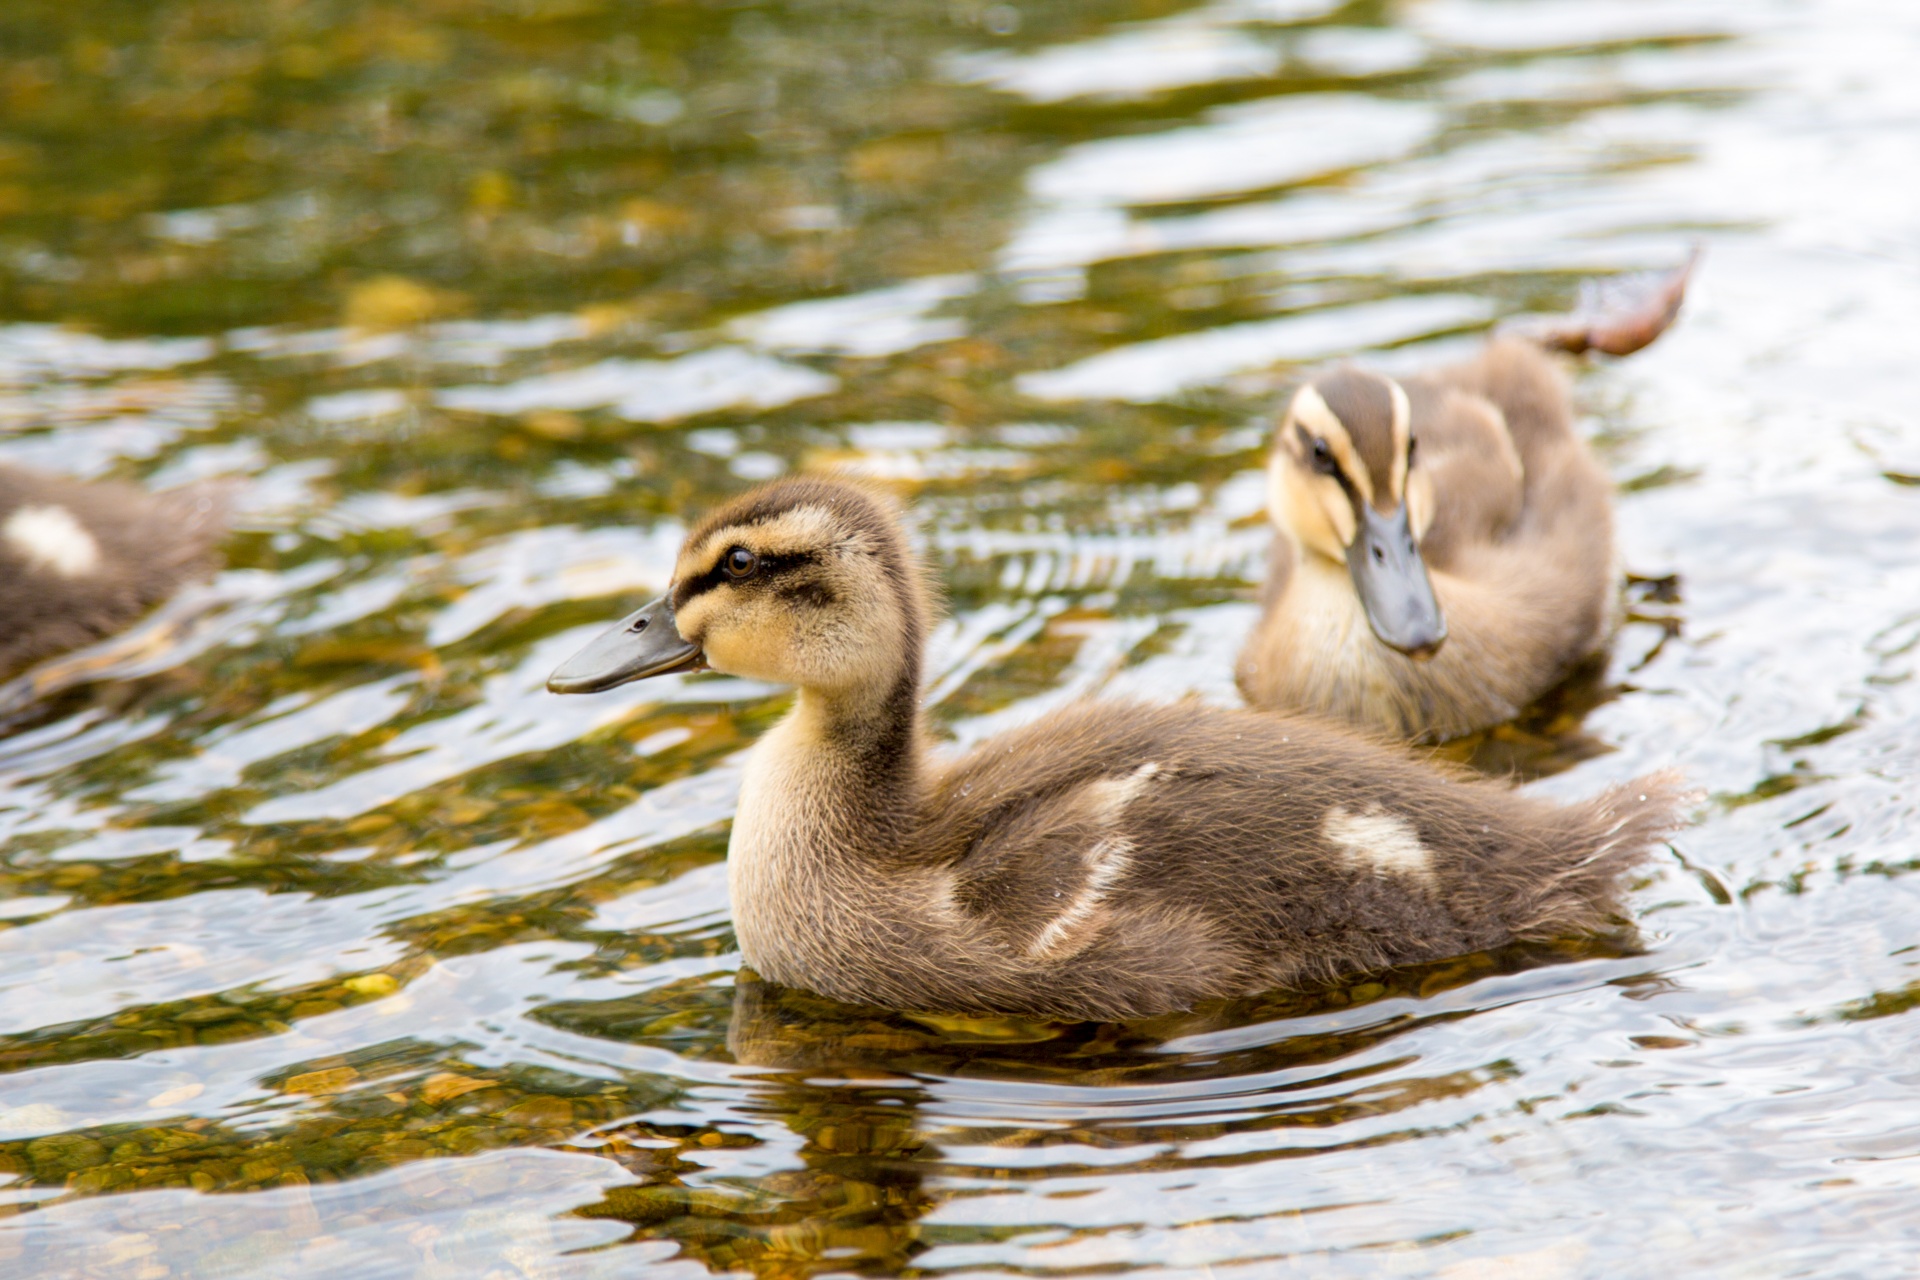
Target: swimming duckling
[(1111, 860), (1443, 550), (80, 561)]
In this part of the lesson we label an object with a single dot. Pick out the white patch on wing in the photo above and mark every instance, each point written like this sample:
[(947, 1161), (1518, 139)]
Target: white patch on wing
[(1379, 841), (1105, 862), (941, 891), (51, 539), (1106, 800), (1111, 796)]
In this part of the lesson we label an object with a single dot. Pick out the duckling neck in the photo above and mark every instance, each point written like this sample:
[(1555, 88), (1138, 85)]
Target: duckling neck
[(863, 751), (826, 841), (836, 782)]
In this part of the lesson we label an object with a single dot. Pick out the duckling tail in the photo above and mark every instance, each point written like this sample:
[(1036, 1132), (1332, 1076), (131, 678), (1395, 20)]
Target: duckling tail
[(1604, 839), (1617, 316)]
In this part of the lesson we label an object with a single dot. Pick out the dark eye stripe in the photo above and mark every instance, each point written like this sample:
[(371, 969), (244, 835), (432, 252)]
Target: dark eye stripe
[(1331, 467), (769, 567), (817, 594), (1320, 455)]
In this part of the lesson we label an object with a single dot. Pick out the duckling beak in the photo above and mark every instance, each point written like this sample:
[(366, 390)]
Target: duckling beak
[(1393, 584), (645, 643)]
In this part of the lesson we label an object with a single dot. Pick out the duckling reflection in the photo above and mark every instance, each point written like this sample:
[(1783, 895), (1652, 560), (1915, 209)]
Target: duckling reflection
[(894, 1113), (902, 1112), (1112, 860), (1443, 551), (860, 1192), (799, 1031)]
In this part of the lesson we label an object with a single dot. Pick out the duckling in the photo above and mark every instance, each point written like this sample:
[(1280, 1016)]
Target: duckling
[(1112, 860), (1443, 549), (80, 561)]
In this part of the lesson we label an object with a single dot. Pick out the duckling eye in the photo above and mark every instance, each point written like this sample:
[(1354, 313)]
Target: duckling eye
[(1319, 456), (1323, 457), (741, 563)]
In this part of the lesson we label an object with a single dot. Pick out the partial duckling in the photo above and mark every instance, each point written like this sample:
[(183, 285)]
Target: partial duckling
[(1112, 860), (1443, 550), (80, 561)]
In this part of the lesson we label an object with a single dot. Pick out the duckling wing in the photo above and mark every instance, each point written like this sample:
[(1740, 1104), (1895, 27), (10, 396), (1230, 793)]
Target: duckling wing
[(1181, 851), (1043, 864), (1523, 530), (1152, 837), (1473, 474), (1528, 391)]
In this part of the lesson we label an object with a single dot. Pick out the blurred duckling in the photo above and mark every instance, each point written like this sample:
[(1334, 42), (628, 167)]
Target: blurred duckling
[(80, 561), (1111, 860), (1443, 550)]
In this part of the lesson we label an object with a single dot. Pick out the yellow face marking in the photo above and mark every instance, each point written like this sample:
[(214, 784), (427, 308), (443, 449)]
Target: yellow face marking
[(759, 644), (1311, 412), (1420, 503), (801, 529), (1402, 438), (691, 619), (1309, 506)]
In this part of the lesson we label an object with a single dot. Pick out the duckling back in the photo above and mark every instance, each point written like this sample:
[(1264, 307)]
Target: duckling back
[(1131, 859), (80, 561), (1120, 860)]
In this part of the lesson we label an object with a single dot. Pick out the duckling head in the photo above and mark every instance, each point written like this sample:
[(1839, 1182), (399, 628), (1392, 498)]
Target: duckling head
[(805, 581), (1344, 483)]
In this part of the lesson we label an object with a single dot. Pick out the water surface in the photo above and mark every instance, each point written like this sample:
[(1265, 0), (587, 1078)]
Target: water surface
[(330, 945)]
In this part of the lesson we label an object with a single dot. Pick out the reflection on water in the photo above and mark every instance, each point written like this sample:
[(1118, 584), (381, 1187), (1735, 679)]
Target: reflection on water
[(331, 945)]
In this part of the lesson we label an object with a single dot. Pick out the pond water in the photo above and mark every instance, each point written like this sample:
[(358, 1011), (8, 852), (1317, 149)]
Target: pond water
[(331, 945)]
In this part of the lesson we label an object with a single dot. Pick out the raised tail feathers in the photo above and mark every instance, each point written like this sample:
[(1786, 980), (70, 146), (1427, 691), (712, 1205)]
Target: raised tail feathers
[(1617, 316), (1606, 838)]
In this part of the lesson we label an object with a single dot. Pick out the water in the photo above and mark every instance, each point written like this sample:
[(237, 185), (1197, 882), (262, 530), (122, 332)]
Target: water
[(333, 946)]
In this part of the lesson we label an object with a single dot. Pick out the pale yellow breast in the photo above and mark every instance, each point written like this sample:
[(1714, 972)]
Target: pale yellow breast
[(1314, 651)]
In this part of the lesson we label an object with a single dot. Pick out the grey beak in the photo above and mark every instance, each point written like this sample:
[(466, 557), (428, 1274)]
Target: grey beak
[(644, 643), (1393, 584)]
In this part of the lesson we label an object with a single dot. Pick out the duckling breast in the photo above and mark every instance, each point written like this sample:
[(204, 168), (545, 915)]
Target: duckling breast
[(1313, 650)]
